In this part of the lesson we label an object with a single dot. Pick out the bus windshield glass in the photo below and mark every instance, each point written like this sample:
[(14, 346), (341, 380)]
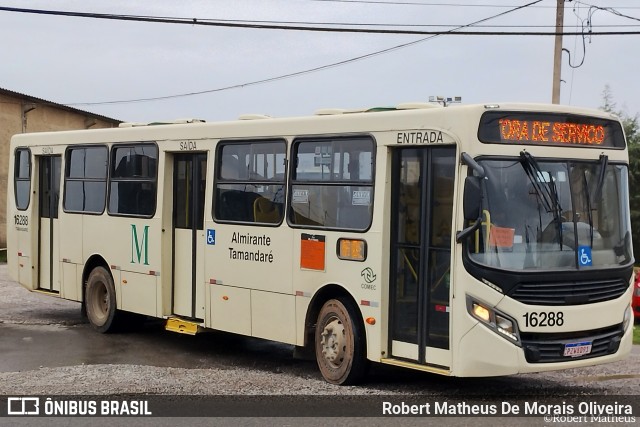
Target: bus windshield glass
[(552, 215)]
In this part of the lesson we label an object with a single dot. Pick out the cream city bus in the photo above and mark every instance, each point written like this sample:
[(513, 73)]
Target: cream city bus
[(465, 241)]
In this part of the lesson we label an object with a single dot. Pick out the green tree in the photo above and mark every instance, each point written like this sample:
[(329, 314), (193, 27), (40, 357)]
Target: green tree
[(632, 131), (629, 123)]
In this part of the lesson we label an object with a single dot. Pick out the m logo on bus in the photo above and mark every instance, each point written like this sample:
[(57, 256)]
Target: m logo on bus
[(139, 247)]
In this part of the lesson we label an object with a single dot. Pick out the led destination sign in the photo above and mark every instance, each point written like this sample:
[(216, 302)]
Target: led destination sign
[(569, 133), (498, 127)]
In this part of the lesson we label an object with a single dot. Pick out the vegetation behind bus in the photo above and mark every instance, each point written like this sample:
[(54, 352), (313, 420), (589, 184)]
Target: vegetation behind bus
[(632, 132)]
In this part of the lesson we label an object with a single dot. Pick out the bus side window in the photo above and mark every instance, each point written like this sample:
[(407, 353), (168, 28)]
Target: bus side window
[(250, 181), (85, 185), (132, 183), (22, 178), (332, 183)]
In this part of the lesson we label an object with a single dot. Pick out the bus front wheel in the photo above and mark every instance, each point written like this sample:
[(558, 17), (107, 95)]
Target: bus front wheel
[(100, 300), (340, 343)]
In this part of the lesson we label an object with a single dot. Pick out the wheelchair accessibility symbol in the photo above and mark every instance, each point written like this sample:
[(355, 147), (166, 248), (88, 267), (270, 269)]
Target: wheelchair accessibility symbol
[(211, 237), (584, 256)]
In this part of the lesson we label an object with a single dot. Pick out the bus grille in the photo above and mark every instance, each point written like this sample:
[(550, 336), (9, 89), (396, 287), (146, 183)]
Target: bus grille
[(569, 293), (548, 348)]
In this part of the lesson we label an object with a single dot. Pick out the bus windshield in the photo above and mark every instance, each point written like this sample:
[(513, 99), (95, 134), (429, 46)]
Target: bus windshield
[(553, 215)]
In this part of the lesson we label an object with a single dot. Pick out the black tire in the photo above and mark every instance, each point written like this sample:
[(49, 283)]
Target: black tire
[(100, 301), (340, 343)]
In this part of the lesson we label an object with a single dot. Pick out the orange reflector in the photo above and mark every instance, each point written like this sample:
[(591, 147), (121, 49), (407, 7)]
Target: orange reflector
[(226, 298), (371, 320), (352, 249), (124, 281)]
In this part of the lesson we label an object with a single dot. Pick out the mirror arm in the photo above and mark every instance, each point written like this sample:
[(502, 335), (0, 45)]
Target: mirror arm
[(469, 161), (461, 235)]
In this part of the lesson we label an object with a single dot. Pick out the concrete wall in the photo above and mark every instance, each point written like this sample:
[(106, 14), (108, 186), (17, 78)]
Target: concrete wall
[(43, 118)]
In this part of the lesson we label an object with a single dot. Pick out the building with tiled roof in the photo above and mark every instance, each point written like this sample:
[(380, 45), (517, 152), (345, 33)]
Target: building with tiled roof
[(21, 113)]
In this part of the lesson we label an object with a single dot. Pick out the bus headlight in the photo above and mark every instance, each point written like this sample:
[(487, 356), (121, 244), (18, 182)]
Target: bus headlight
[(506, 327), (481, 312), (627, 318), (493, 319)]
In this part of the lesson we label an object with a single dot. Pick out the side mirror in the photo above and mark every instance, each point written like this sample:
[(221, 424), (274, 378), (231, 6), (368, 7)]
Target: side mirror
[(472, 201), (472, 198)]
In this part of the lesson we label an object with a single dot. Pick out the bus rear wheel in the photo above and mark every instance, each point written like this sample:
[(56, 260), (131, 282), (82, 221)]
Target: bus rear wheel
[(100, 300), (340, 343)]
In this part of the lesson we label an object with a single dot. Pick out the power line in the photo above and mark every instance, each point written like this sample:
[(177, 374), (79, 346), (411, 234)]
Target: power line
[(610, 10), (309, 70), (196, 21), (206, 21), (411, 3), (587, 27)]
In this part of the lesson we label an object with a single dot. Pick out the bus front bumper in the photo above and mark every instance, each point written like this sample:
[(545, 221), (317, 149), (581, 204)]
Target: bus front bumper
[(483, 353)]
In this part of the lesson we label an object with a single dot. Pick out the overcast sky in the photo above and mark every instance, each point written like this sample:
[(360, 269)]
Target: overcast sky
[(72, 60)]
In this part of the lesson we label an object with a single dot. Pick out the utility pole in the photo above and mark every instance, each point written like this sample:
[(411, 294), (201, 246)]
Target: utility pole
[(557, 53)]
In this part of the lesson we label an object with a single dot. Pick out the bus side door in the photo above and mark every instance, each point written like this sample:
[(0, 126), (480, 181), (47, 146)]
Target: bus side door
[(48, 201)]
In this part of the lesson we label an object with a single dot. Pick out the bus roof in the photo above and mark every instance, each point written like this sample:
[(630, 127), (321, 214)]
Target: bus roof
[(325, 121)]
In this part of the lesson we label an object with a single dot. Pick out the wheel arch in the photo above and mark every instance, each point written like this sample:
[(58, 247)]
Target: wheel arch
[(322, 295), (92, 262)]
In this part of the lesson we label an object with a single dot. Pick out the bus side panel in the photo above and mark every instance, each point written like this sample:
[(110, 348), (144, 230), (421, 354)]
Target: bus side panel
[(71, 226), (229, 309), (138, 293), (25, 268), (70, 280), (253, 257), (349, 275), (302, 306), (273, 316), (22, 247), (132, 246)]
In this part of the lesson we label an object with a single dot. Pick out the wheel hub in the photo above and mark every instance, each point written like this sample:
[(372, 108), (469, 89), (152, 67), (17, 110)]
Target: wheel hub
[(334, 342)]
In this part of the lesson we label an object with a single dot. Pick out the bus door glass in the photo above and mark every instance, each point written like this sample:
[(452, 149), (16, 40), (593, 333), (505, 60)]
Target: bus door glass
[(48, 196), (189, 178), (422, 206)]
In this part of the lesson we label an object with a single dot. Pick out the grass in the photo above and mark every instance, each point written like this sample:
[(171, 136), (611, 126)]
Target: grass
[(636, 334), (3, 256)]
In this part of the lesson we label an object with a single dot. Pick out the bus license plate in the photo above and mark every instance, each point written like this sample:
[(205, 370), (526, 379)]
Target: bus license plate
[(576, 349)]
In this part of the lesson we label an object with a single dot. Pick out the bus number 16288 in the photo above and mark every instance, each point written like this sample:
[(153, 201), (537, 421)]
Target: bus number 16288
[(543, 318)]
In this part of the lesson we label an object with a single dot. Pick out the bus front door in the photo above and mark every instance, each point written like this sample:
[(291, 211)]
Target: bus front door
[(189, 178), (48, 197), (422, 206)]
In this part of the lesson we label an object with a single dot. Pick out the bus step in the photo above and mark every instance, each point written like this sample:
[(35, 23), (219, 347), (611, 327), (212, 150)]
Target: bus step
[(182, 326)]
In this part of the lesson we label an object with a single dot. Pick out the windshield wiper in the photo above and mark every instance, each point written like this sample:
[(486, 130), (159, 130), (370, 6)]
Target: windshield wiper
[(535, 175), (591, 200), (585, 188), (604, 162), (548, 193)]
